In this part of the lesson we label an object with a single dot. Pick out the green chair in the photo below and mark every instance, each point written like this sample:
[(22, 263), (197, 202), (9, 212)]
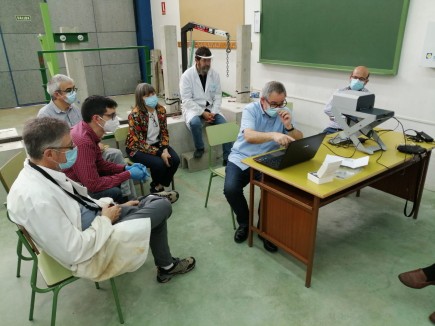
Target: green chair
[(218, 135), (10, 170), (54, 274), (120, 136), (8, 173)]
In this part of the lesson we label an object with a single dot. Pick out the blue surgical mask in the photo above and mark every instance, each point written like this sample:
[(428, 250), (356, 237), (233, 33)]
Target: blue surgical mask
[(272, 112), (356, 84), (71, 158), (151, 101), (71, 97)]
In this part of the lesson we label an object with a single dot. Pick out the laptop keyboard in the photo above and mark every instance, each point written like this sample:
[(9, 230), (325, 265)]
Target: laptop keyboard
[(270, 161)]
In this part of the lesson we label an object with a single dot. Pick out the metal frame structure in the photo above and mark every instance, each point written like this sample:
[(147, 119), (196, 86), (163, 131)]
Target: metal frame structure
[(43, 68)]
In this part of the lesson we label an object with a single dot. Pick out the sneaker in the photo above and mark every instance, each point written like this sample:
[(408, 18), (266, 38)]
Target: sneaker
[(198, 153), (172, 195), (181, 266)]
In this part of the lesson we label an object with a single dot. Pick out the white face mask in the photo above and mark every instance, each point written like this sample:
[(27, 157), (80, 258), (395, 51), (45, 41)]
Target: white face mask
[(110, 125)]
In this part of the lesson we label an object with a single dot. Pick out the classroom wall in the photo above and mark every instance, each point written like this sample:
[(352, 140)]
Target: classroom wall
[(109, 23), (410, 93)]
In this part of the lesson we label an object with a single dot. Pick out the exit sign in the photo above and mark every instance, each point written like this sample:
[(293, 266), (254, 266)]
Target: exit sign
[(21, 18)]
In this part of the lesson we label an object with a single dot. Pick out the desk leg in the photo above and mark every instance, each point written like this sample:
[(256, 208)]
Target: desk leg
[(313, 235), (251, 205), (424, 165)]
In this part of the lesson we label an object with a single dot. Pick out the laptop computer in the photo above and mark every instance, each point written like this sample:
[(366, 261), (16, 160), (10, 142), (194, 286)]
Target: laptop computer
[(296, 152)]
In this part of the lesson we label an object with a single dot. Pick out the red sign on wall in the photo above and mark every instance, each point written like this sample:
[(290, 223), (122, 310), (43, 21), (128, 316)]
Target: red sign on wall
[(163, 8)]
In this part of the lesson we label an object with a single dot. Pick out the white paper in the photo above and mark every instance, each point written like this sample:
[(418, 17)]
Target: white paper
[(349, 162)]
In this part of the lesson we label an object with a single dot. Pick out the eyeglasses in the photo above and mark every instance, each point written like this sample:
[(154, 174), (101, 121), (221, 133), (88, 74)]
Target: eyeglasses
[(276, 105), (154, 120), (359, 78), (70, 147), (112, 116), (68, 90)]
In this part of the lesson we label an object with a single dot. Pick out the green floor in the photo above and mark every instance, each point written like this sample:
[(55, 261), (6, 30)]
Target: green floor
[(362, 245)]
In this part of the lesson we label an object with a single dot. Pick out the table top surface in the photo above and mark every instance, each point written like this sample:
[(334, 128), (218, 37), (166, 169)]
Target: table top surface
[(379, 162)]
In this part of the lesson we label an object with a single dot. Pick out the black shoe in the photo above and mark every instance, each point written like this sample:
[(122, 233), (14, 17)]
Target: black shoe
[(198, 153), (269, 246), (154, 190), (241, 234)]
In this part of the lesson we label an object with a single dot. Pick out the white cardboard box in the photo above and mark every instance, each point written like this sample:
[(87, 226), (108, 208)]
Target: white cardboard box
[(326, 172)]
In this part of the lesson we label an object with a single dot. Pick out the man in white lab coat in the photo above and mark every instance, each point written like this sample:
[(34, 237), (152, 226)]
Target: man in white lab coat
[(201, 97), (95, 239)]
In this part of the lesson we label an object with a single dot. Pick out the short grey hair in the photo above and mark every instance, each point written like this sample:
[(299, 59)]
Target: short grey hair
[(54, 84), (41, 133), (273, 86)]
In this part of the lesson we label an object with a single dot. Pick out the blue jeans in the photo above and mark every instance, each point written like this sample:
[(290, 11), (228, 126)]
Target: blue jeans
[(115, 193), (235, 180), (331, 130), (196, 128)]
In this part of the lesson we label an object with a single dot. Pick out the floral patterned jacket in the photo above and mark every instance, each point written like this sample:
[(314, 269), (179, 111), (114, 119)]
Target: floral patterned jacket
[(138, 129)]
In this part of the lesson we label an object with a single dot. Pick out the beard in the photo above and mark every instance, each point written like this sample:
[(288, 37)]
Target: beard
[(204, 70)]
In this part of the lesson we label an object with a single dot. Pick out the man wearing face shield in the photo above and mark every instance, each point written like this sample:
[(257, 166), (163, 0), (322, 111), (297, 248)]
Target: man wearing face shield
[(265, 126), (357, 82), (102, 178), (63, 92), (201, 97)]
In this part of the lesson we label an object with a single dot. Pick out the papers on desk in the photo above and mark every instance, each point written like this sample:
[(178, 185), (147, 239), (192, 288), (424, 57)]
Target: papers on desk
[(352, 163), (349, 166), (338, 167)]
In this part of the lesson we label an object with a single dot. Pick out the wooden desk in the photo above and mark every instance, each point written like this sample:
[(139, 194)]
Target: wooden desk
[(290, 202)]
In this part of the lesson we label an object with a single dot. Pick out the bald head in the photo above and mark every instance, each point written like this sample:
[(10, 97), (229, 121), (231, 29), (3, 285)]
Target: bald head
[(359, 78), (361, 72)]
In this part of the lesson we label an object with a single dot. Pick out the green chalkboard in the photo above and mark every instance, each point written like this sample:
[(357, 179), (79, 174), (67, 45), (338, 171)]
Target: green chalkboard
[(333, 34)]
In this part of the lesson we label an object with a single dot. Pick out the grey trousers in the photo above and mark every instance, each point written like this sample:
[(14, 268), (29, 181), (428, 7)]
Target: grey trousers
[(158, 210)]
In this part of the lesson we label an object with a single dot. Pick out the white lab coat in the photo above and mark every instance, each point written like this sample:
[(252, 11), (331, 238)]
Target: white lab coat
[(193, 96), (53, 220)]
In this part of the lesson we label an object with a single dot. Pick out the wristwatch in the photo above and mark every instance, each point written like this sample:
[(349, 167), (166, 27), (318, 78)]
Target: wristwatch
[(289, 130)]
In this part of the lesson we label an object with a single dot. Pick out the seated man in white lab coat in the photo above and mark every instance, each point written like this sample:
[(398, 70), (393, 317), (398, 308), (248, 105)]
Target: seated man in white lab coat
[(94, 239), (201, 96)]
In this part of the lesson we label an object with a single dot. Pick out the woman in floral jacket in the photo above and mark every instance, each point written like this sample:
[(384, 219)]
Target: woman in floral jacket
[(148, 138)]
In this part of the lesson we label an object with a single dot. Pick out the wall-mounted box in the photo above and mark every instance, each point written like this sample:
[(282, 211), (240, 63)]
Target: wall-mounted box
[(428, 54)]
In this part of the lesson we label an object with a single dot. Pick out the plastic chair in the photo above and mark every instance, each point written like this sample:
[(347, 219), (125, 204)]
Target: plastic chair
[(10, 170), (218, 135), (8, 173), (120, 136), (54, 274)]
